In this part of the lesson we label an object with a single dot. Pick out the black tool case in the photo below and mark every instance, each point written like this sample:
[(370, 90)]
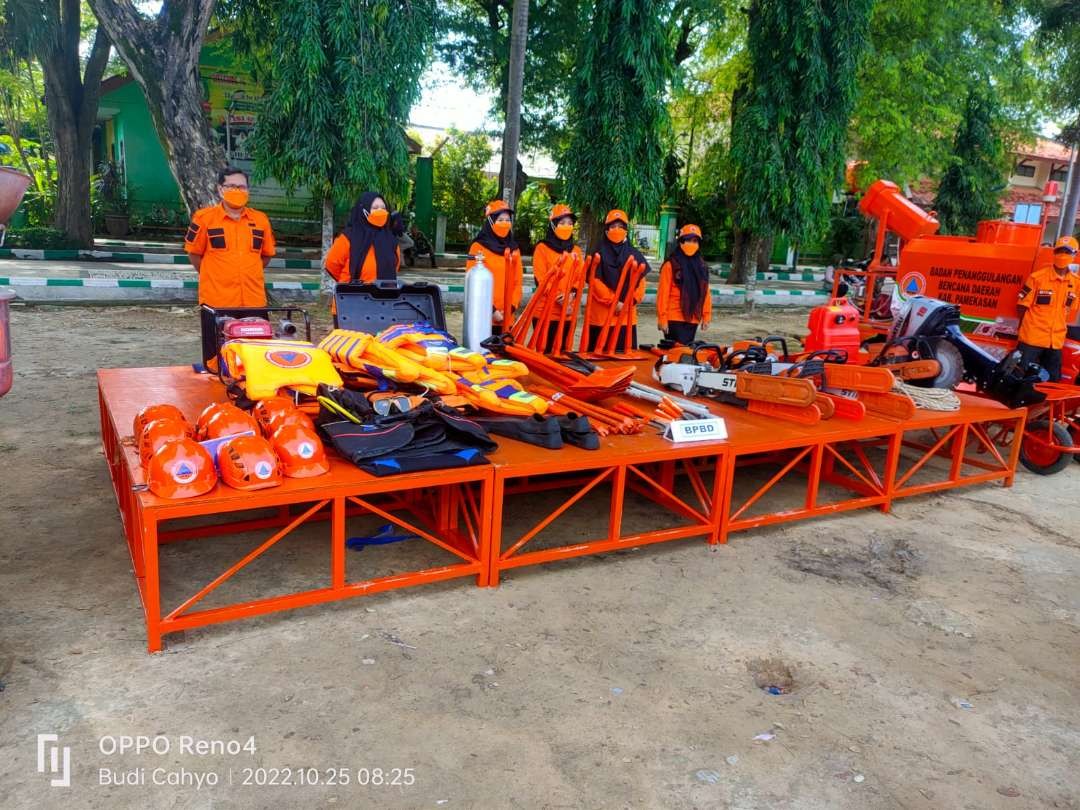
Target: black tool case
[(373, 307)]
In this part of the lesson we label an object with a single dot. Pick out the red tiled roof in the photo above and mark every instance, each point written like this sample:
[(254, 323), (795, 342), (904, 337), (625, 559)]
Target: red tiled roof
[(1045, 149)]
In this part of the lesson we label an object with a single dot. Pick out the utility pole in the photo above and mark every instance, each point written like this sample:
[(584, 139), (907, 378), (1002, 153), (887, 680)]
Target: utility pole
[(519, 28), (1069, 202)]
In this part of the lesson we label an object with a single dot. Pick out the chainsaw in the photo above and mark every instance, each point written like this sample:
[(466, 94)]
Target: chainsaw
[(737, 377)]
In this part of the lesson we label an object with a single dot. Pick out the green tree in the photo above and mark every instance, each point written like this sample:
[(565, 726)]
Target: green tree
[(617, 116), (790, 121), (462, 188), (914, 80), (972, 185), (160, 43), (344, 77), (53, 32)]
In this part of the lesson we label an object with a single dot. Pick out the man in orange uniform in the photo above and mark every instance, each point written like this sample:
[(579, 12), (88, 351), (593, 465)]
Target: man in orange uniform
[(683, 300), (503, 258), (229, 245), (1048, 304)]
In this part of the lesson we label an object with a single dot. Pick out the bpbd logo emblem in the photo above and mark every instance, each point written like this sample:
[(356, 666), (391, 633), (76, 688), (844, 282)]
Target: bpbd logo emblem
[(288, 358), (913, 284), (263, 470), (305, 450), (184, 472)]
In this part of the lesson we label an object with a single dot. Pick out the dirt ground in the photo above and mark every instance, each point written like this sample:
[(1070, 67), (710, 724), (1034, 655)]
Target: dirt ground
[(927, 658)]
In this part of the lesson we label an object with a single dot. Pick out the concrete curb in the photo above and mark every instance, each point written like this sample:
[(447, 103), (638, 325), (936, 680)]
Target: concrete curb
[(89, 290)]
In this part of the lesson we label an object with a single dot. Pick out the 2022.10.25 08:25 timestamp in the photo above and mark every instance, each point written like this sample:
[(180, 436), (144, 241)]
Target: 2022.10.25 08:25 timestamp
[(328, 777)]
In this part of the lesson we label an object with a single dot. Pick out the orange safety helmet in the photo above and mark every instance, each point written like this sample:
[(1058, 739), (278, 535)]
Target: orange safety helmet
[(229, 422), (293, 417), (616, 215), (562, 210), (266, 410), (300, 450), (181, 469), (248, 462), (1067, 244), (496, 207), (152, 412), (209, 412), (688, 231), (155, 434)]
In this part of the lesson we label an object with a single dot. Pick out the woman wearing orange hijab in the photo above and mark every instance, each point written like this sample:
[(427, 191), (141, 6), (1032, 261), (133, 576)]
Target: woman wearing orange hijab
[(502, 257)]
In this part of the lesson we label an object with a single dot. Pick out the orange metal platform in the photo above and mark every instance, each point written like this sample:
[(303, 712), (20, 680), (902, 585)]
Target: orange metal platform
[(767, 472)]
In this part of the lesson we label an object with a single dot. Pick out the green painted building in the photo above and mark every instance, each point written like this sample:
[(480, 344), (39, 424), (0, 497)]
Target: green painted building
[(231, 100)]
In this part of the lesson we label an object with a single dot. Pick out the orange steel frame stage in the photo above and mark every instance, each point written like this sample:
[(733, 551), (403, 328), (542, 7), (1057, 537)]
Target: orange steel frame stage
[(706, 490)]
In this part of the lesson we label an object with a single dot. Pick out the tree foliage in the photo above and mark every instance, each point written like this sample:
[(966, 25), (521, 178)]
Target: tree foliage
[(789, 132), (343, 79), (477, 48), (972, 185), (913, 82), (1059, 37), (617, 115), (462, 188)]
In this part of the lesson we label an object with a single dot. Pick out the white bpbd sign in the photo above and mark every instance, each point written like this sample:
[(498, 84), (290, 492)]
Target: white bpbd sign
[(696, 430)]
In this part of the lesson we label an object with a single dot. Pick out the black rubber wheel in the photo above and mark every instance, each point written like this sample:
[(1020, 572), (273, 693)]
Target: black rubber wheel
[(1044, 460), (952, 366)]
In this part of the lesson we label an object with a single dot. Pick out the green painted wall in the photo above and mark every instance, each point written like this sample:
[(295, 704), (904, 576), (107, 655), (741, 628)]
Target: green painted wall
[(149, 181)]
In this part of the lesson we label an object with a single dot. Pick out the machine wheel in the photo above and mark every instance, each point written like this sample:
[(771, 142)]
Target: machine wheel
[(952, 366), (1045, 460)]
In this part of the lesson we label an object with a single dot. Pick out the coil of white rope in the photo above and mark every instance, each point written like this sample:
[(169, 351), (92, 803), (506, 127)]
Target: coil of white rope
[(929, 399)]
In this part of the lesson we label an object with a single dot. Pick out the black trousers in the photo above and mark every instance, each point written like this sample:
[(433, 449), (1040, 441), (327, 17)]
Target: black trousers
[(1050, 359), (682, 332), (620, 341)]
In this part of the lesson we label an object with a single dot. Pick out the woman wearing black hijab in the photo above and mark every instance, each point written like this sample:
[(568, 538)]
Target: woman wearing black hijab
[(683, 300), (502, 256), (615, 249), (556, 246), (367, 250)]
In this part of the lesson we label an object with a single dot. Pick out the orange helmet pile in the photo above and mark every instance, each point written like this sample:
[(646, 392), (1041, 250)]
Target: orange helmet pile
[(246, 451)]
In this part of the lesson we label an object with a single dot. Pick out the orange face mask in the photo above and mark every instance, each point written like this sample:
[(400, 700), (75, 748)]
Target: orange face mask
[(617, 235), (564, 231), (501, 229), (378, 217), (1063, 260), (235, 197), (690, 248)]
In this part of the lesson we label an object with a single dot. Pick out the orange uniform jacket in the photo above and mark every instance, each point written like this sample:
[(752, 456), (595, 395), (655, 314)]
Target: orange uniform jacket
[(544, 260), (232, 250), (1051, 302), (496, 263), (337, 261), (669, 300), (602, 297)]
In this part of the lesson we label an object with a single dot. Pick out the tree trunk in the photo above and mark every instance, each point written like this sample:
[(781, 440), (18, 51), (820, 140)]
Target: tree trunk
[(751, 249), (71, 103), (1067, 223), (764, 255), (592, 230), (738, 253), (519, 28), (163, 55), (327, 240)]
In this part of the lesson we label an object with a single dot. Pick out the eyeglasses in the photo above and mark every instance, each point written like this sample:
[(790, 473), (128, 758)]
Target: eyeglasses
[(231, 186)]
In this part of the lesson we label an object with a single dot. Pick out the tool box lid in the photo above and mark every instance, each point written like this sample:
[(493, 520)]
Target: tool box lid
[(373, 307)]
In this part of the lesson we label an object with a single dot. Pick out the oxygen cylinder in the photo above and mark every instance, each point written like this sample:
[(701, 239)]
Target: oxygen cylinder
[(479, 290)]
